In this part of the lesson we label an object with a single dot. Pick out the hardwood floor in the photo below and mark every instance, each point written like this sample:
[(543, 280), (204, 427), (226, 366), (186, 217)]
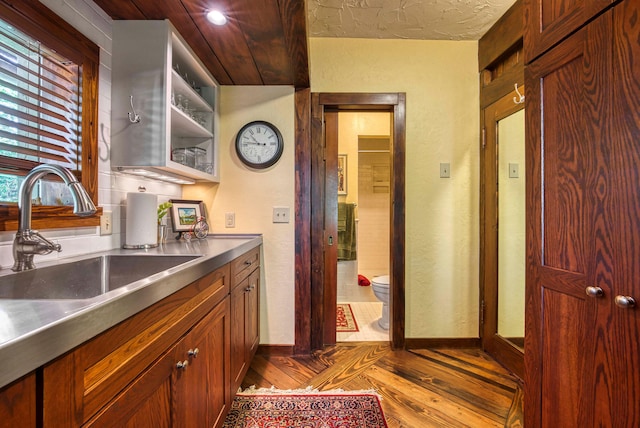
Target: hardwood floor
[(419, 388)]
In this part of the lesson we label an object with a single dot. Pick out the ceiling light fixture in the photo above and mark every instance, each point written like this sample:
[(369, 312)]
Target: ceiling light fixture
[(216, 17)]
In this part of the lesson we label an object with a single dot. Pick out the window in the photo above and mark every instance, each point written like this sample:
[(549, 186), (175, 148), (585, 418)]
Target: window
[(48, 110)]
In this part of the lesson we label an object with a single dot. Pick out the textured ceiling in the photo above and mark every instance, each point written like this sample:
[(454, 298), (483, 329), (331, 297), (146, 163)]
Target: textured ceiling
[(404, 19)]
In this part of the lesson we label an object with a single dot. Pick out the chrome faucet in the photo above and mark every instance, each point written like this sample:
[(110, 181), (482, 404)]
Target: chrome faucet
[(28, 242)]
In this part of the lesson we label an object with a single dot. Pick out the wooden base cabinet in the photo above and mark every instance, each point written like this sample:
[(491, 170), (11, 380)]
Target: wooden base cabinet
[(582, 364), (245, 322), (167, 366)]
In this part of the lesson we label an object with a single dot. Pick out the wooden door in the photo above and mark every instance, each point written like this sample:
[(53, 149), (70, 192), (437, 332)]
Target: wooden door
[(548, 22), (583, 331), (503, 349), (330, 226), (563, 238), (618, 385)]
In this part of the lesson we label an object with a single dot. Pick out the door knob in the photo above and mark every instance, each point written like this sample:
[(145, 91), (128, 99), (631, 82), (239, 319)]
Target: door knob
[(193, 352), (594, 291), (182, 364), (625, 301)]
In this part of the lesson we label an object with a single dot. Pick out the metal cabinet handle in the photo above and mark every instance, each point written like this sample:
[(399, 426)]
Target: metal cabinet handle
[(193, 352), (248, 262), (594, 291), (626, 302), (182, 364)]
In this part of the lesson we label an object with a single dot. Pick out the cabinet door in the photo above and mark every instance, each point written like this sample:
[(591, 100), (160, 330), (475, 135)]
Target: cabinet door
[(146, 402), (237, 337), (18, 403), (252, 327), (619, 384), (569, 227), (547, 22), (201, 398)]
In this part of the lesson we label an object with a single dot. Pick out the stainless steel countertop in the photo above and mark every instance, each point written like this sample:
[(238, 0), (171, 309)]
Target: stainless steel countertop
[(34, 332)]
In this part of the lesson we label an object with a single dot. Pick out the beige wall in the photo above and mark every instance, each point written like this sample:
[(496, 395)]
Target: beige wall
[(440, 79), (252, 194)]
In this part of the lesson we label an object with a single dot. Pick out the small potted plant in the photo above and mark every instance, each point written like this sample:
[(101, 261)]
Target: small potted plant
[(163, 209)]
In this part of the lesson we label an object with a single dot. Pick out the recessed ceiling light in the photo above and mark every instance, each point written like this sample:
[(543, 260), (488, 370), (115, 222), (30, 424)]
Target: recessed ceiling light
[(216, 17)]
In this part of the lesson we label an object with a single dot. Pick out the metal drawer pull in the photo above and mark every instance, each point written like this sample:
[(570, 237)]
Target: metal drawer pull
[(193, 352), (594, 291), (625, 301), (248, 263), (182, 364)]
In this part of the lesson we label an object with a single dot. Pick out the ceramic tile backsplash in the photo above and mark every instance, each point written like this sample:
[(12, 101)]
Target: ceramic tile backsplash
[(112, 186)]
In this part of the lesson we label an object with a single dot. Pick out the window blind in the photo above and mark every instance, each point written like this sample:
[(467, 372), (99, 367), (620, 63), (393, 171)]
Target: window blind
[(40, 106)]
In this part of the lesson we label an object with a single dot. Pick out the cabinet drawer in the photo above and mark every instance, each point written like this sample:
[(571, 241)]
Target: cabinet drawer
[(242, 266), (88, 377)]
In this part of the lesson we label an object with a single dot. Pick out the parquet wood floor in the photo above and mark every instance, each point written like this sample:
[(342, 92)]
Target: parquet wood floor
[(419, 388)]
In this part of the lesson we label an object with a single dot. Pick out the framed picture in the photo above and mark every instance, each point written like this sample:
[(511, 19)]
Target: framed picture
[(185, 214), (342, 174)]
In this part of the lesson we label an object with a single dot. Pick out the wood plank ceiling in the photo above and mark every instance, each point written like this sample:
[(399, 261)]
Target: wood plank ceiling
[(264, 42)]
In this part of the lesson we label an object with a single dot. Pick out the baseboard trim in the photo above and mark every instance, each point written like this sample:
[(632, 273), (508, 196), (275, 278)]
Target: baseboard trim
[(442, 342), (277, 350)]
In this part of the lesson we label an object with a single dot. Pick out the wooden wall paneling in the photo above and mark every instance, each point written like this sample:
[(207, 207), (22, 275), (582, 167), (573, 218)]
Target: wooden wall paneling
[(303, 260), (503, 36), (177, 14), (546, 23), (294, 16), (227, 41), (266, 42)]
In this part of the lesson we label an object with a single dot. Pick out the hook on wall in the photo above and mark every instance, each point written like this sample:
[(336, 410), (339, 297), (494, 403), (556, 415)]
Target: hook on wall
[(133, 117), (520, 98)]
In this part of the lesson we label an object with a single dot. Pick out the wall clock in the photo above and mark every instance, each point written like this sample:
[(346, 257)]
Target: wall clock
[(259, 144)]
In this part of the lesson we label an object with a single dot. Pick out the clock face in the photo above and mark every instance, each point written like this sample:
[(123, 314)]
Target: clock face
[(259, 144)]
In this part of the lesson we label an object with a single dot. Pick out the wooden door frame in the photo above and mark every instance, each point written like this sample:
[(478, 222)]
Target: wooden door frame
[(310, 158), (497, 346)]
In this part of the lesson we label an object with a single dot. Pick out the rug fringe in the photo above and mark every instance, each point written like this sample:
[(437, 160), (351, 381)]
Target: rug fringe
[(252, 390)]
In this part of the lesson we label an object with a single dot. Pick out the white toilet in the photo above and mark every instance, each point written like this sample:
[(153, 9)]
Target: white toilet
[(380, 285)]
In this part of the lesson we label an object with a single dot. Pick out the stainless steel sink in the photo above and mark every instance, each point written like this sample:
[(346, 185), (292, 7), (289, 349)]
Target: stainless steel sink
[(86, 278)]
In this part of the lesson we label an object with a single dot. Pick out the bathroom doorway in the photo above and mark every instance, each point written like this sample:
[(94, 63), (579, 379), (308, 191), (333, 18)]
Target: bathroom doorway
[(363, 198), (323, 215)]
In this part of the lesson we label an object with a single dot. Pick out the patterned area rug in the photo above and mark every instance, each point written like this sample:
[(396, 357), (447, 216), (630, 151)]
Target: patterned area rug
[(345, 322), (306, 410)]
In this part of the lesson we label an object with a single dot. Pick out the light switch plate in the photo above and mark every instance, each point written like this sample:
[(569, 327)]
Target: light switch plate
[(514, 170), (445, 170), (106, 223)]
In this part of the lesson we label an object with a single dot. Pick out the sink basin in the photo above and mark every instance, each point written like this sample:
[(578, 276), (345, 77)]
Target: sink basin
[(86, 278)]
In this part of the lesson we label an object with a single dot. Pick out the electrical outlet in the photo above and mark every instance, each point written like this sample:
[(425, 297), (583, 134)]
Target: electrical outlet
[(281, 214), (106, 223), (229, 219), (445, 170)]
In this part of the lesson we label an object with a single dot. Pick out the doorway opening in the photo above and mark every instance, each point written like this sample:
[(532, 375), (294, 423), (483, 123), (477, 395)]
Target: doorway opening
[(323, 213), (363, 217)]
